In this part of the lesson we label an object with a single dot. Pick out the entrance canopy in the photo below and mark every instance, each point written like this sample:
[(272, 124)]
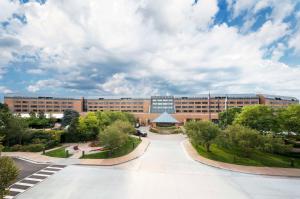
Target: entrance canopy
[(165, 118)]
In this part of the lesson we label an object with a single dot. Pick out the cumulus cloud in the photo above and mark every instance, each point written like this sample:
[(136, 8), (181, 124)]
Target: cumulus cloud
[(43, 84), (5, 90), (134, 47)]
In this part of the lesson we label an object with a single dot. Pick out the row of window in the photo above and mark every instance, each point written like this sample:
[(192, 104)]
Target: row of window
[(35, 106), (229, 102), (115, 107), (135, 111), (41, 102), (115, 103), (197, 111), (35, 110)]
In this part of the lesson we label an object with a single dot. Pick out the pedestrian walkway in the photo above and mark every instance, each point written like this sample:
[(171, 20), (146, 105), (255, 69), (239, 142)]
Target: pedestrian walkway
[(270, 171), (32, 180), (39, 158)]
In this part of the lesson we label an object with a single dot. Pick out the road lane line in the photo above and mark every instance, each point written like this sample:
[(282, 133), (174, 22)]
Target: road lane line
[(24, 184), (17, 190), (34, 179), (48, 171), (8, 197), (51, 167), (43, 175)]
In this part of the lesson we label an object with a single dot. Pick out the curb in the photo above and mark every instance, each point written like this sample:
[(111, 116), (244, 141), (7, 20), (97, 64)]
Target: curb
[(121, 162), (266, 171)]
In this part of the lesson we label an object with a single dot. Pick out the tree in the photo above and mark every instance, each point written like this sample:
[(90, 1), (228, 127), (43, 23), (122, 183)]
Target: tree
[(202, 132), (125, 126), (241, 138), (88, 126), (106, 118), (259, 117), (228, 116), (41, 115), (272, 144), (8, 173), (1, 146), (16, 130), (112, 137), (68, 116), (289, 118)]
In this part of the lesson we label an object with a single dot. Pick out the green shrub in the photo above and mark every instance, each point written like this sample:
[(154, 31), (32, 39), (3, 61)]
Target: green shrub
[(8, 174), (33, 147), (202, 132), (241, 138), (154, 130), (177, 131), (273, 144), (51, 144), (16, 147)]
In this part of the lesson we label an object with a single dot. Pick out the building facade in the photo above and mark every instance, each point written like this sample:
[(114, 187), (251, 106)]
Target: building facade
[(202, 107)]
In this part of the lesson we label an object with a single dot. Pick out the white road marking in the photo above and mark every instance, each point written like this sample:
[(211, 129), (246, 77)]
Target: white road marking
[(24, 184), (8, 197), (17, 190), (31, 161), (48, 171), (34, 179), (52, 167), (44, 175)]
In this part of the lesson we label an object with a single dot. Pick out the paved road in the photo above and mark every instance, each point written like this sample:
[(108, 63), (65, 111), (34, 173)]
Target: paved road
[(164, 171), (27, 168)]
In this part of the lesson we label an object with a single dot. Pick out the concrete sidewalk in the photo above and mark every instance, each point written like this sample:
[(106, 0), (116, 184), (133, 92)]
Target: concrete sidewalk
[(39, 158), (270, 171)]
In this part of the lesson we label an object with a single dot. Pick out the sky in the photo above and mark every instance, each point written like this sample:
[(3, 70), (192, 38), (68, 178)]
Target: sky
[(98, 48)]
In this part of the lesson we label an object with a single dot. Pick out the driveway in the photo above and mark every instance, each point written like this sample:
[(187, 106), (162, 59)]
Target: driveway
[(27, 168), (164, 171)]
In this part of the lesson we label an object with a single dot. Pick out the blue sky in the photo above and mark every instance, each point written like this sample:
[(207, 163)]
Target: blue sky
[(97, 48)]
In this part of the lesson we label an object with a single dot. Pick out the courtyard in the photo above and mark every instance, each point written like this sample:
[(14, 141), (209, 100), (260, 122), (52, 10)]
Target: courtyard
[(164, 171)]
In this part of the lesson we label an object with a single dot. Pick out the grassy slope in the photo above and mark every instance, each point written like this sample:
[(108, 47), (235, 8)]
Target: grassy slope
[(123, 150), (256, 159), (59, 153)]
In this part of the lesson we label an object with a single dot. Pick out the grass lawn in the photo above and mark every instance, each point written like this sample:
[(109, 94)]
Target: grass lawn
[(58, 153), (257, 158), (123, 150)]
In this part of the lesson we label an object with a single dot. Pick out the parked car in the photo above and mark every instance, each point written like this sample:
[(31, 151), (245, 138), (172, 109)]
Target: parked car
[(140, 133)]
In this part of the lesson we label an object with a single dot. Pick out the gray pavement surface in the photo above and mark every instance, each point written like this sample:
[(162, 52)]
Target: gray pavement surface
[(164, 171), (27, 168)]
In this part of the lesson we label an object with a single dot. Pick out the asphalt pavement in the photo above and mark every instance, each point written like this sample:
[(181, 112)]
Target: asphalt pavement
[(27, 168)]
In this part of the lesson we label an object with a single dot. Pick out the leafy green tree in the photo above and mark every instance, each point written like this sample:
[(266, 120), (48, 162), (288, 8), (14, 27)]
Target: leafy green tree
[(106, 118), (88, 126), (16, 130), (112, 137), (41, 115), (8, 173), (1, 146), (227, 117), (241, 138), (202, 132), (68, 116), (259, 117), (272, 144), (125, 126), (289, 119)]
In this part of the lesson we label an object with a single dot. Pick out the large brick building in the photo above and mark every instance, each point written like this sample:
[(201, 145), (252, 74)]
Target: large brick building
[(202, 107)]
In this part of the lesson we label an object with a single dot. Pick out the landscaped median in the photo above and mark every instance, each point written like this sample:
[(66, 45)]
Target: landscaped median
[(104, 161), (55, 155), (272, 171)]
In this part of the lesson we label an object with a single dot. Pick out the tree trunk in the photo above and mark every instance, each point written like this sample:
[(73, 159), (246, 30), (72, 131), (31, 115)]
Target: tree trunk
[(207, 145)]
